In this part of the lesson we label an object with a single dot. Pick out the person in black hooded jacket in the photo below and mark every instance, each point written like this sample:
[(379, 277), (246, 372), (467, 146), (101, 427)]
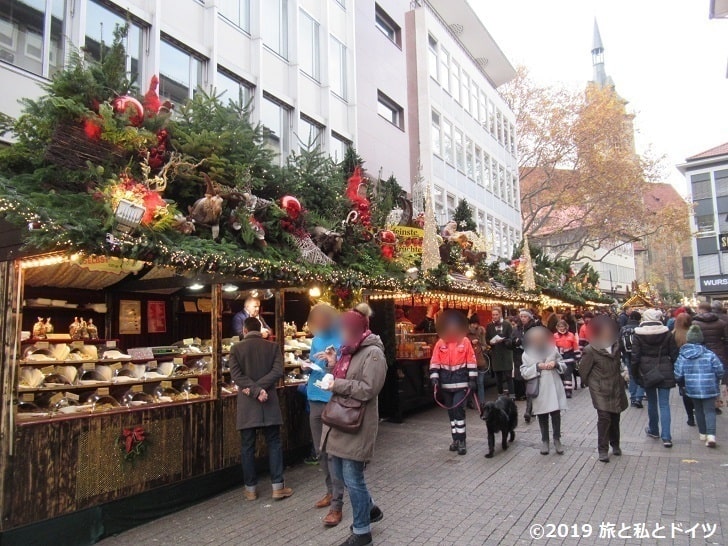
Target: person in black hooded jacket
[(715, 331), (654, 352)]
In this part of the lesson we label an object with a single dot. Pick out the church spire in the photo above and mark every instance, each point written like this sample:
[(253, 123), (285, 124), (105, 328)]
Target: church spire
[(600, 74)]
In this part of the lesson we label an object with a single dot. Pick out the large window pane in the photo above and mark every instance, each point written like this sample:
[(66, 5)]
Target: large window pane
[(100, 25), (23, 40), (339, 146), (436, 140), (309, 46), (337, 68), (432, 57), (487, 175), (180, 73), (277, 120), (310, 134), (275, 26), (237, 12), (459, 150), (478, 166), (455, 81), (469, 160), (234, 89), (444, 69), (447, 142)]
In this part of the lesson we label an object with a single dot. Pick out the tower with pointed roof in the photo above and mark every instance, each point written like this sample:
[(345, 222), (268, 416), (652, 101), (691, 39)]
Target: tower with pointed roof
[(600, 74)]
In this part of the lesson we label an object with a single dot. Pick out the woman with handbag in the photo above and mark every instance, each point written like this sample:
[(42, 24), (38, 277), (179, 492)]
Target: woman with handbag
[(542, 367), (351, 417), (601, 368), (654, 352)]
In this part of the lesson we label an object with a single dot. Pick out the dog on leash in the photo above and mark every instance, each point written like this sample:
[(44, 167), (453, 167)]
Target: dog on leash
[(500, 416)]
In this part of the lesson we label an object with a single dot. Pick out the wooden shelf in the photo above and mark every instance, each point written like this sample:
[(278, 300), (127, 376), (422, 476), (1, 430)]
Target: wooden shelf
[(103, 384)]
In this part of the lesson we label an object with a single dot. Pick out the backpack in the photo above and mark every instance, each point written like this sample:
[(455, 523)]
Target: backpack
[(626, 337)]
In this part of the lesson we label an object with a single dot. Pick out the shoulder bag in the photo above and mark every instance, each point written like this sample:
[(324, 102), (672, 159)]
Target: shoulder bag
[(344, 413), (533, 386)]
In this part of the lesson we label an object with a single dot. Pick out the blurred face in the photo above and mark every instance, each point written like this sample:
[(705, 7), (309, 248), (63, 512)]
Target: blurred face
[(349, 336), (562, 327), (497, 315), (252, 307), (539, 341), (525, 319), (320, 321)]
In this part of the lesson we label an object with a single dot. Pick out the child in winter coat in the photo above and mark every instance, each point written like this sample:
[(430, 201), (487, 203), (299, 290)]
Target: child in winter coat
[(700, 371), (454, 371), (568, 346), (541, 359)]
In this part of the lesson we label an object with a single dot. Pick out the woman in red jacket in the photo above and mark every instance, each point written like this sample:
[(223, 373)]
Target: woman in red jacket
[(568, 346)]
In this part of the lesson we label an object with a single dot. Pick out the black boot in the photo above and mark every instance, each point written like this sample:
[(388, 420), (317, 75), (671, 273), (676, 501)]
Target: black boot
[(462, 449), (454, 445), (358, 540)]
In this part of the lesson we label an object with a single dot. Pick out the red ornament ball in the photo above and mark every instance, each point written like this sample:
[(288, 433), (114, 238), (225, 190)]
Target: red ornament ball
[(292, 206), (387, 236), (129, 105)]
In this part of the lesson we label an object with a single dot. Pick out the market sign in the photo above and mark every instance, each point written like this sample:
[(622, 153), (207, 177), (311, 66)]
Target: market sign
[(111, 264), (723, 242), (714, 283), (409, 239)]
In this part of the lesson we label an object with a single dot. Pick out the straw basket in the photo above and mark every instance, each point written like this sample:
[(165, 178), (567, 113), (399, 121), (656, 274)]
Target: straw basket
[(71, 148)]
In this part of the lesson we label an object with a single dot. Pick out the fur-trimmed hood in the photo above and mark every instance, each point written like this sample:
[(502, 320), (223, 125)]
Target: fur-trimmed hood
[(651, 329)]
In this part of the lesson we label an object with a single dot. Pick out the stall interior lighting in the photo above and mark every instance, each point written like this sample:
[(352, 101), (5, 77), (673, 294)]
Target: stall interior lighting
[(440, 297), (229, 288), (315, 292), (196, 286), (44, 261)]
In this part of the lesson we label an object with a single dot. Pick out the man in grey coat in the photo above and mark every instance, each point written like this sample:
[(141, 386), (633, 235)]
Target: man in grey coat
[(256, 365)]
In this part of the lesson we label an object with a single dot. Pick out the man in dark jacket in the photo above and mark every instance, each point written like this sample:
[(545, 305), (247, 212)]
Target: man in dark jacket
[(626, 336), (256, 365), (715, 331), (654, 352), (498, 334)]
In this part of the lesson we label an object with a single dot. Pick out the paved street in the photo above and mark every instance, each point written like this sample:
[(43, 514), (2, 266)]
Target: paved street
[(431, 496)]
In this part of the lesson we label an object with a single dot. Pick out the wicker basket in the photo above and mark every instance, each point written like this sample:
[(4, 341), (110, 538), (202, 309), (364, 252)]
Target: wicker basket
[(71, 148)]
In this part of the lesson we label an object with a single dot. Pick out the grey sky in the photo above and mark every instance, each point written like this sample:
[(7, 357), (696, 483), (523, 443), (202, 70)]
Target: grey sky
[(665, 56)]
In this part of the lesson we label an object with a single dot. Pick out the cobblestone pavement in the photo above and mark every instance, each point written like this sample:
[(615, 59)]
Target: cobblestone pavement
[(432, 496)]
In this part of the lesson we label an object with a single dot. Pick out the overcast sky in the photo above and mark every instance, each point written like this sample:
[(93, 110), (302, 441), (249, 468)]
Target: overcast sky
[(665, 57)]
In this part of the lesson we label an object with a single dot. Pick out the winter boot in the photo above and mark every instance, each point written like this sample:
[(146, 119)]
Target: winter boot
[(558, 447), (462, 449)]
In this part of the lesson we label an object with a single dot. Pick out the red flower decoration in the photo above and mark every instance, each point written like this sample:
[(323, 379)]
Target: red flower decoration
[(92, 129)]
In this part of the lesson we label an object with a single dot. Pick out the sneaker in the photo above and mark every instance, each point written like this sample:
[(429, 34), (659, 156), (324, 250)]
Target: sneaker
[(637, 404), (312, 460), (604, 457), (375, 515), (617, 451), (358, 540), (667, 443), (710, 442), (703, 437), (282, 493), (652, 434)]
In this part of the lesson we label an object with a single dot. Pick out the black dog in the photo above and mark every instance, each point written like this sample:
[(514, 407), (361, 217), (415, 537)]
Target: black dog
[(500, 416)]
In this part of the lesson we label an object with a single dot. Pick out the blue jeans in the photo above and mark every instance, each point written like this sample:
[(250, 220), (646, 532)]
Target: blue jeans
[(659, 397), (705, 415), (275, 455), (481, 386), (636, 393), (352, 474)]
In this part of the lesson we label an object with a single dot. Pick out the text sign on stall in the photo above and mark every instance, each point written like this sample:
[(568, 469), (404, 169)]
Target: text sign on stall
[(409, 239), (723, 241), (141, 353)]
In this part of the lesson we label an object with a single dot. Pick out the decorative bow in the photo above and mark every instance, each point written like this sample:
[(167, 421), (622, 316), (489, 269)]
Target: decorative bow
[(133, 436)]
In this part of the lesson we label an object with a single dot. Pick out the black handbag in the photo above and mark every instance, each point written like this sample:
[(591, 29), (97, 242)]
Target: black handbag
[(533, 386), (653, 377), (344, 414)]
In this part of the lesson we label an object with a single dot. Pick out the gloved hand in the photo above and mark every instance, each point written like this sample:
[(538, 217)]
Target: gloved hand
[(472, 385)]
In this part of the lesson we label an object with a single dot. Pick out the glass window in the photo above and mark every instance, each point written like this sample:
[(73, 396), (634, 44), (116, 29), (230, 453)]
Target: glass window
[(387, 25), (455, 81), (509, 189), (339, 146), (309, 51), (459, 150), (24, 40), (479, 166), (501, 182), (390, 110), (180, 73), (481, 223), (448, 149), (705, 222), (310, 134), (469, 159), (237, 12), (474, 92), (506, 135), (499, 126), (516, 194), (234, 89), (721, 183), (432, 57), (444, 69), (707, 245), (341, 3), (100, 25), (491, 118), (436, 139), (275, 29), (450, 206), (483, 110), (465, 90), (337, 68), (487, 176), (688, 267), (276, 118), (513, 139)]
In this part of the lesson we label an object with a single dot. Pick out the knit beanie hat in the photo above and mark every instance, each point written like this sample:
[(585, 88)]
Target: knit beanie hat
[(694, 335), (652, 315)]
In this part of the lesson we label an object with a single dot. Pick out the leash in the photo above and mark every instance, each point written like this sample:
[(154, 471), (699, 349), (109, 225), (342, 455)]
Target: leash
[(465, 398)]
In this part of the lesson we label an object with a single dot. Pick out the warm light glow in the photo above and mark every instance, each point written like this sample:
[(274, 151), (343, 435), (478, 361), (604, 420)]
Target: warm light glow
[(54, 259), (315, 292), (196, 286), (229, 288)]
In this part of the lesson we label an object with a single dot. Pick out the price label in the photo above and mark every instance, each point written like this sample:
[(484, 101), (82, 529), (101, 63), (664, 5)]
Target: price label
[(116, 366), (72, 396), (137, 388), (27, 397), (56, 398), (111, 344), (77, 345), (166, 384), (88, 366), (188, 341), (103, 391), (192, 381), (152, 365), (42, 345), (47, 370), (178, 360)]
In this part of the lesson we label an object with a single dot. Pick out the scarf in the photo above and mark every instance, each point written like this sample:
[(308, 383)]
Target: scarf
[(347, 351)]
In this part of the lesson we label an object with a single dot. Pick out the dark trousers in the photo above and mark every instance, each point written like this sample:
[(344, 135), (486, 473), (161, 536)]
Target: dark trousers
[(275, 454), (607, 430), (456, 415), (543, 423), (689, 407), (504, 377)]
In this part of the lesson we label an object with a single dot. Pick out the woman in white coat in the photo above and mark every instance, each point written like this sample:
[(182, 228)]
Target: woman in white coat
[(542, 361)]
